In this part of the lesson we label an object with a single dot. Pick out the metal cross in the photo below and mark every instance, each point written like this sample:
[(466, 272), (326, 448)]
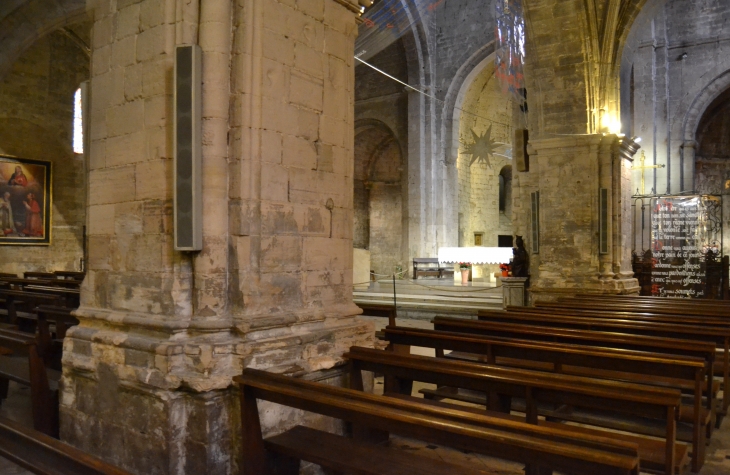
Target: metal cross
[(643, 167)]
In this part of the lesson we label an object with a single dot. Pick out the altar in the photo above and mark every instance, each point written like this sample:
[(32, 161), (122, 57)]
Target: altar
[(477, 255)]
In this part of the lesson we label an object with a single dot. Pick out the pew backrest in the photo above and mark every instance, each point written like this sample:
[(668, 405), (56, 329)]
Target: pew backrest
[(559, 450), (44, 455)]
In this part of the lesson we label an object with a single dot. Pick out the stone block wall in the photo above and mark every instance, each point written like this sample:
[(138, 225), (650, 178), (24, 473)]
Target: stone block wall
[(484, 108), (569, 259), (36, 121), (386, 229), (272, 288), (678, 64)]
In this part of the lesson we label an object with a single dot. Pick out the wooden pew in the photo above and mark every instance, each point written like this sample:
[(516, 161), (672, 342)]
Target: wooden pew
[(26, 366), (6, 274), (536, 387), (15, 298), (379, 310), (672, 307), (607, 310), (44, 455), (670, 346), (549, 449), (658, 300), (39, 275), (602, 362), (565, 318), (51, 342), (66, 283), (70, 274)]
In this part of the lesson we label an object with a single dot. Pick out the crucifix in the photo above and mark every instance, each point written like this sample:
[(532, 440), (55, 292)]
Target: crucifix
[(643, 167)]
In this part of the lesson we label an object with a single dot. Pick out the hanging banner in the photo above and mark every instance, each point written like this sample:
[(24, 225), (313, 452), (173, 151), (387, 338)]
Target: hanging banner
[(678, 239)]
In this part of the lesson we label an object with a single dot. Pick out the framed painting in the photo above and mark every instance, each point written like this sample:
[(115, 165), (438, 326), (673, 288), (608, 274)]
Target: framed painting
[(25, 201)]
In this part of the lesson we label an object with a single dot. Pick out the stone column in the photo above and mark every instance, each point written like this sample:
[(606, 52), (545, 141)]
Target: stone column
[(568, 172), (688, 150), (147, 373)]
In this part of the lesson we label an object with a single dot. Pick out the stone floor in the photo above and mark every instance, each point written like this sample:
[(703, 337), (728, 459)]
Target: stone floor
[(17, 407)]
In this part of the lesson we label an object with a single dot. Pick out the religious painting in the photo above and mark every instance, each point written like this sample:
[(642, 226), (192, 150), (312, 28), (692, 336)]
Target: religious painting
[(25, 201)]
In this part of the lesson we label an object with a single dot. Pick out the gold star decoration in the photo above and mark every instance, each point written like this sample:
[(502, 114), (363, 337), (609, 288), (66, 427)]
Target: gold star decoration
[(482, 147)]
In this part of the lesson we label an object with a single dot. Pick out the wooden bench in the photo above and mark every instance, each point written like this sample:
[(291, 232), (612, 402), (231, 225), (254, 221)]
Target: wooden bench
[(19, 283), (430, 266), (50, 340), (26, 367), (546, 449), (656, 299), (375, 310), (24, 299), (599, 362), (536, 388), (673, 307), (44, 455), (652, 345), (70, 274), (690, 312), (39, 275), (565, 318)]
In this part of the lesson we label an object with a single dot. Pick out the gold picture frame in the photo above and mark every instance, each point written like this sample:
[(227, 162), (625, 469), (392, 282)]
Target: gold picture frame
[(25, 201)]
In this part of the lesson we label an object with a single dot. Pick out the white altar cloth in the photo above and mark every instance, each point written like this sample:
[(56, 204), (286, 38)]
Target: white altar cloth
[(475, 255)]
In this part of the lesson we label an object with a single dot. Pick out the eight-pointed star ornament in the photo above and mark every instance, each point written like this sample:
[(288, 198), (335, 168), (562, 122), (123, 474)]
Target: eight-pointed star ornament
[(482, 147)]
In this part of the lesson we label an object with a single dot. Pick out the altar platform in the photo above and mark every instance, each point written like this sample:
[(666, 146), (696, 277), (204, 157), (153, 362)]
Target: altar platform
[(426, 298)]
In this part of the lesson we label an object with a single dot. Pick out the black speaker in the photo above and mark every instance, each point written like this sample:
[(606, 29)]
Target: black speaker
[(535, 221), (188, 198), (521, 159), (603, 221)]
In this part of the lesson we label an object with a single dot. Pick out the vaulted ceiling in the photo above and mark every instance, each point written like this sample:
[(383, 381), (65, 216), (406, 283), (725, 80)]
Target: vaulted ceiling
[(22, 22)]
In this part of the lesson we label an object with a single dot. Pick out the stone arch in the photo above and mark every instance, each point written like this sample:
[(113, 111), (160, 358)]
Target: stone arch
[(451, 113), (636, 20), (696, 104), (29, 21), (378, 195), (463, 78)]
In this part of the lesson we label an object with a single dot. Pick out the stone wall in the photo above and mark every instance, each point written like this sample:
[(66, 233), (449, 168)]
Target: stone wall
[(36, 121), (381, 139), (676, 60), (484, 108), (162, 332)]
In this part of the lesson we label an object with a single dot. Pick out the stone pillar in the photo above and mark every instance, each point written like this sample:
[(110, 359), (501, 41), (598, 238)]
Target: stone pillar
[(147, 373), (568, 172), (688, 150)]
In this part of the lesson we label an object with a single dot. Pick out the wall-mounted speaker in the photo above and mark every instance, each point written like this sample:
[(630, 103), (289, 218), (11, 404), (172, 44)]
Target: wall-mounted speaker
[(535, 221), (603, 221), (188, 198), (521, 159)]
